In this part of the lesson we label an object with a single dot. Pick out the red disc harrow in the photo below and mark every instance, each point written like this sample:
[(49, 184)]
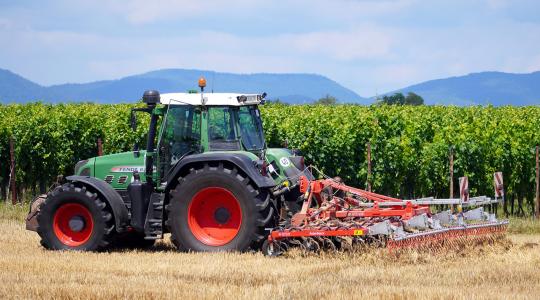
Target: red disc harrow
[(337, 216)]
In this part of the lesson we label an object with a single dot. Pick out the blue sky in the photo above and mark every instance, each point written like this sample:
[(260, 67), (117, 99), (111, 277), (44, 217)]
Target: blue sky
[(368, 46)]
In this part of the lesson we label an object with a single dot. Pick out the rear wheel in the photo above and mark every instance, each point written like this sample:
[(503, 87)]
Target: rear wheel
[(215, 208), (73, 218)]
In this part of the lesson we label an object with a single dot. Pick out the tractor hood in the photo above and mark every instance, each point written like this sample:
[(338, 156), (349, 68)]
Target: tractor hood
[(116, 169), (285, 165)]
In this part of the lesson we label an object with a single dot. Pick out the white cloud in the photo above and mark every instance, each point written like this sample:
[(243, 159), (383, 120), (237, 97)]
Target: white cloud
[(497, 4), (354, 8), (368, 58), (141, 12), (361, 44), (5, 23), (399, 74), (144, 11)]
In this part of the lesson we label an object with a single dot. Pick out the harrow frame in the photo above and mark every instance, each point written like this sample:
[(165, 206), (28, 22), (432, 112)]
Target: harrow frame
[(331, 209)]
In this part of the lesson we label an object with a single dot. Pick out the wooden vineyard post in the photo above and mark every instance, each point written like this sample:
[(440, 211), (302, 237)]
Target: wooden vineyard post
[(369, 167), (451, 172), (12, 179), (99, 147), (451, 158), (537, 183)]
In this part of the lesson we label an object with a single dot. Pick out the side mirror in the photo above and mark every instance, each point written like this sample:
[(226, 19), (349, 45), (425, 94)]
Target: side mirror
[(133, 121)]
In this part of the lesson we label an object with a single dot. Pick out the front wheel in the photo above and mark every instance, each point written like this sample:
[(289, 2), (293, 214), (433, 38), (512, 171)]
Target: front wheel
[(215, 208), (73, 218)]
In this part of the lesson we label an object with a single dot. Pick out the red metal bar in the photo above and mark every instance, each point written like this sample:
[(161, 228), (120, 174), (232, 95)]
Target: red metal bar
[(276, 235), (316, 187), (405, 214), (363, 193), (299, 217)]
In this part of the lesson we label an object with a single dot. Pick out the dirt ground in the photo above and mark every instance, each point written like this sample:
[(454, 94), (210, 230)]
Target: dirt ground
[(28, 271)]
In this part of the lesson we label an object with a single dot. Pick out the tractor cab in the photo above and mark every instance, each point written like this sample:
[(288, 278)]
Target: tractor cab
[(205, 123), (205, 175)]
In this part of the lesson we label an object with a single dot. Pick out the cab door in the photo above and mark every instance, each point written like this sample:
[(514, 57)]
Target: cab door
[(180, 136)]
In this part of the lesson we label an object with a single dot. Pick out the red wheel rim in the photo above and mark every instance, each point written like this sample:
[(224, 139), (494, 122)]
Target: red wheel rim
[(73, 224), (214, 216)]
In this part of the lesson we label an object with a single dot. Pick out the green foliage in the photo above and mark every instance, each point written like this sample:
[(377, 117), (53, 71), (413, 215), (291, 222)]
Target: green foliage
[(413, 99), (326, 100), (400, 99), (50, 139), (410, 145)]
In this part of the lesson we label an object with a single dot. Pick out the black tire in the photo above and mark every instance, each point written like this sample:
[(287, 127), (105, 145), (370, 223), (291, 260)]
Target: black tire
[(133, 240), (101, 232), (257, 209)]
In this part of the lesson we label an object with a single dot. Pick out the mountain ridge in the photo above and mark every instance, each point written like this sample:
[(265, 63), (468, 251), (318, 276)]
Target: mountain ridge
[(479, 88), (290, 87)]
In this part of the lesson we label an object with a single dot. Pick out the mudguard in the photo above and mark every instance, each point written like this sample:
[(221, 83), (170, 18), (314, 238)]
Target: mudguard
[(243, 162), (121, 217)]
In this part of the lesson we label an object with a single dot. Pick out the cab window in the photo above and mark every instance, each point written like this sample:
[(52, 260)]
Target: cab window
[(222, 133), (181, 135), (251, 127)]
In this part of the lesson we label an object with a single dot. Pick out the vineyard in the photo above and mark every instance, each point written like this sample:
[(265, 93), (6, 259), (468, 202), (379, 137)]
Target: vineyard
[(410, 145)]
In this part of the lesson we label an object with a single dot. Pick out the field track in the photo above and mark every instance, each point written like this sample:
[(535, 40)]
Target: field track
[(28, 271)]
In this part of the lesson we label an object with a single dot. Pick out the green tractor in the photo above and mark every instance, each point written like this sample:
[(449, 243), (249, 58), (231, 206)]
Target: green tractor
[(206, 176)]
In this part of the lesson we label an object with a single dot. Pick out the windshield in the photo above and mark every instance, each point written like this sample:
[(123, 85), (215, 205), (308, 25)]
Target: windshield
[(222, 133), (251, 130), (230, 128)]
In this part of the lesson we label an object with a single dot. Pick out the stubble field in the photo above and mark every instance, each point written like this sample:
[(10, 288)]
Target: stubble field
[(506, 270)]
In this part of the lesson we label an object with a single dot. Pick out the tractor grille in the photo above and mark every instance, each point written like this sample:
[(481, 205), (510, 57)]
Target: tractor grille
[(122, 179), (109, 178)]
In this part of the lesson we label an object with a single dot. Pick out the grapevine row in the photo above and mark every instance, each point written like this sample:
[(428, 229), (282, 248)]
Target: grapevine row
[(410, 145)]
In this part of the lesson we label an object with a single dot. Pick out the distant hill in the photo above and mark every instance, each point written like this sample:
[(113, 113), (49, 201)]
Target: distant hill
[(494, 88), (15, 87), (291, 88)]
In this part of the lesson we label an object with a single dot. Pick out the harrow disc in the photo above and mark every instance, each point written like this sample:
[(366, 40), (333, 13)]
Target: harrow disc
[(271, 248)]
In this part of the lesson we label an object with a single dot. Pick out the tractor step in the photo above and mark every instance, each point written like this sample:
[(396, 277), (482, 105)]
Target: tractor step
[(153, 227)]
